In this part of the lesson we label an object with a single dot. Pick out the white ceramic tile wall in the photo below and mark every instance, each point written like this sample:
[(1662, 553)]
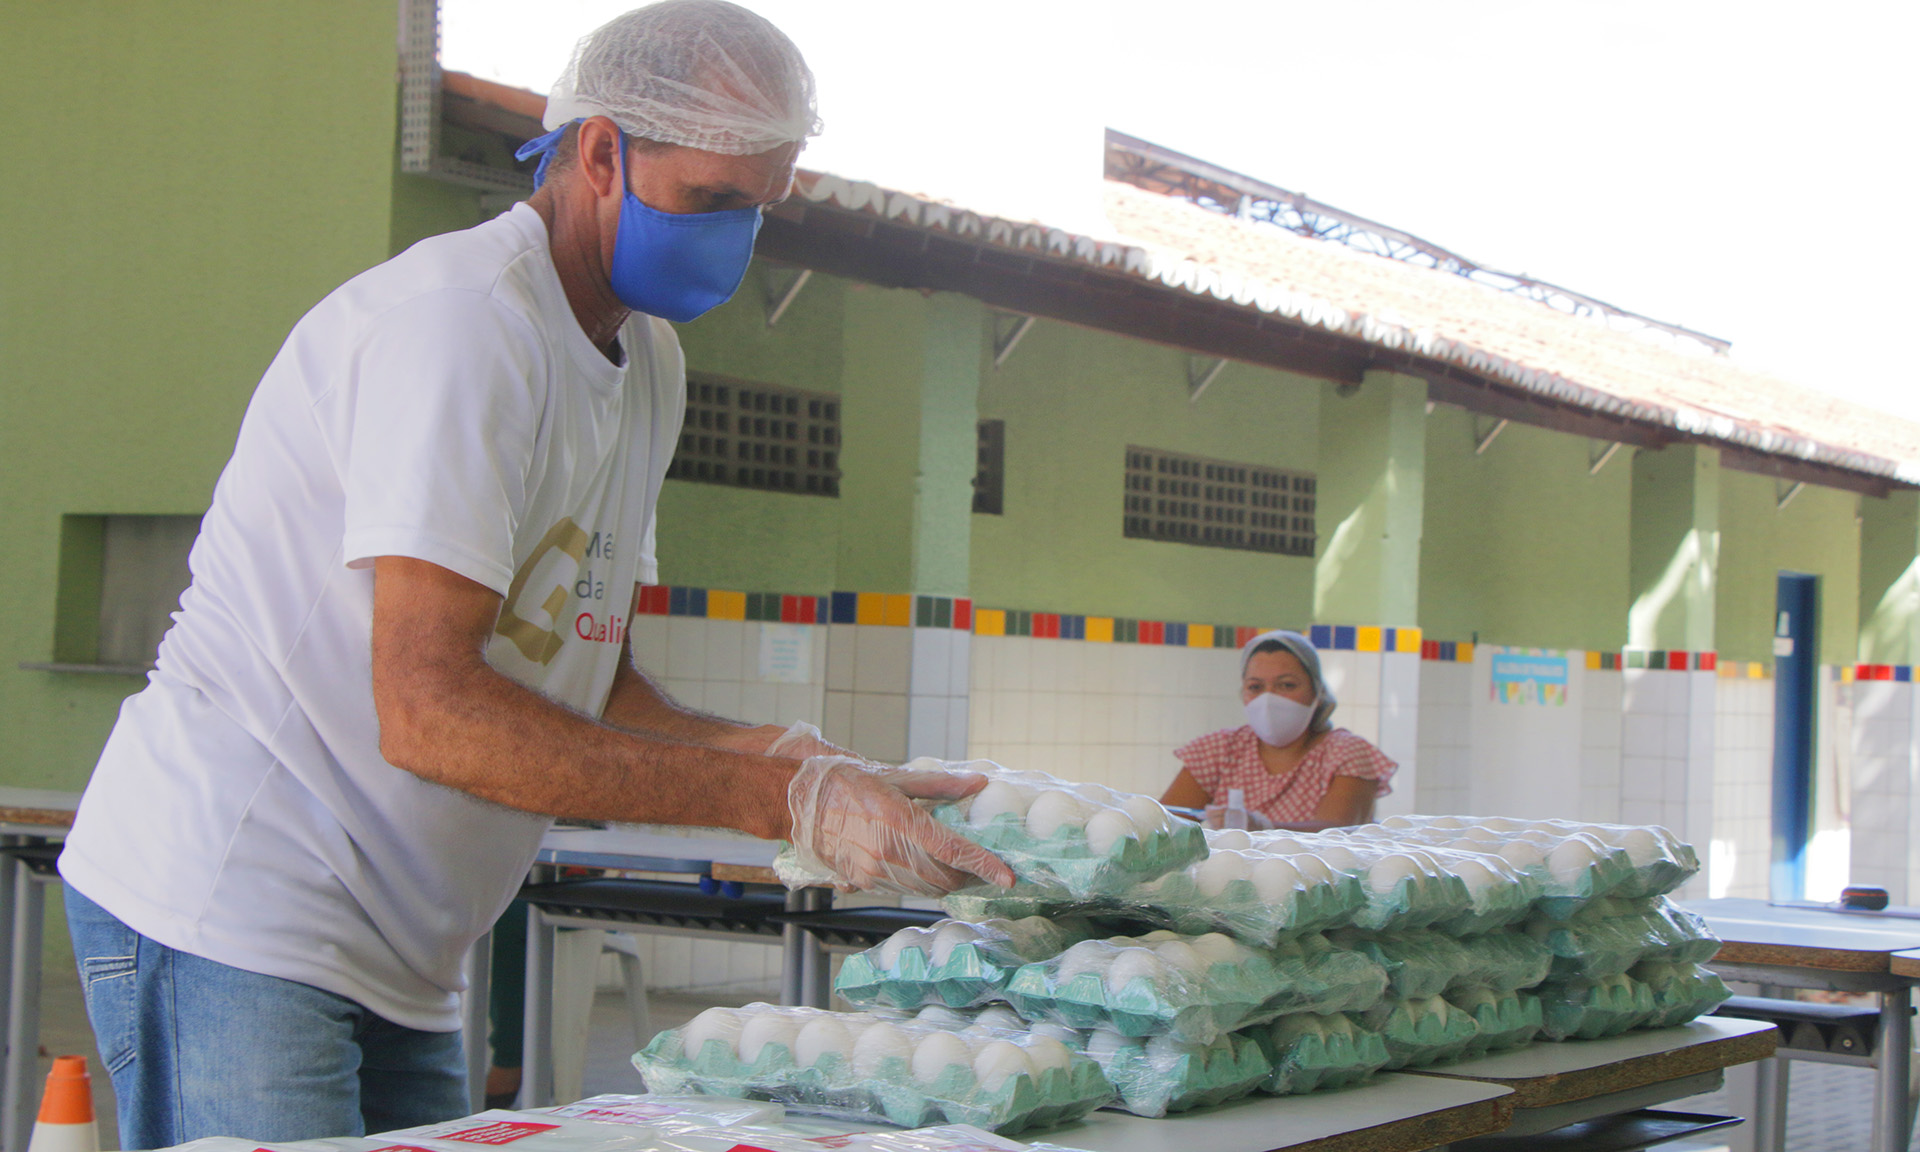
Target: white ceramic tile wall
[(1738, 854), (1525, 758), (1884, 798), (1107, 713), (1666, 754), (1445, 744), (1829, 856), (1601, 729)]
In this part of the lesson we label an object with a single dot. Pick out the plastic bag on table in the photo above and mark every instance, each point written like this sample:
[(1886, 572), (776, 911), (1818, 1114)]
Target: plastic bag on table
[(1192, 987), (1419, 962), (863, 1066), (525, 1132), (1310, 1050), (1680, 991), (1159, 1074), (955, 962), (1506, 1019), (1421, 1031), (1589, 1009), (1498, 893), (1503, 960), (1067, 841), (1569, 869), (1660, 861), (1253, 894), (667, 1114)]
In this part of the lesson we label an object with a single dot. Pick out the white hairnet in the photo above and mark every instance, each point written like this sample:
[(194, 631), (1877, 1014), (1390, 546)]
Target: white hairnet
[(699, 73)]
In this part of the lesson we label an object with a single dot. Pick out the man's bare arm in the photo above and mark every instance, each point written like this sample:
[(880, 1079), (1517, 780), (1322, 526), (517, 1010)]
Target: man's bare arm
[(640, 705), (447, 716)]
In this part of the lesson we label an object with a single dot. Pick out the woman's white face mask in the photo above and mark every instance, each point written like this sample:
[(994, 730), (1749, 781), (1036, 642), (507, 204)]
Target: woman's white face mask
[(1278, 720)]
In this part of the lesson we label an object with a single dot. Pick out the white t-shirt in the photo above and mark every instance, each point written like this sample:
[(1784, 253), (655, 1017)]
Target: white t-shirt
[(445, 406)]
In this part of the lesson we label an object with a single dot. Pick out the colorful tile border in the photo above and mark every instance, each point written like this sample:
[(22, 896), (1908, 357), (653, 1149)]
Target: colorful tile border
[(1447, 651), (1899, 673), (834, 608)]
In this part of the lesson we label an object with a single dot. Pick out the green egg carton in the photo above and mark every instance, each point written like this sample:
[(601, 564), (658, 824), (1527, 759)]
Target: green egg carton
[(1495, 905), (887, 1090), (1241, 910), (1419, 962), (1154, 1077), (1503, 960), (1680, 991), (1414, 902), (1582, 1009), (1506, 1019), (1421, 1030), (1310, 1051), (1303, 974), (1610, 936), (972, 973)]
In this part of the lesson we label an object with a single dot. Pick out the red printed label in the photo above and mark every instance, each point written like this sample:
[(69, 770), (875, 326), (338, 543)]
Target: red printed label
[(502, 1132)]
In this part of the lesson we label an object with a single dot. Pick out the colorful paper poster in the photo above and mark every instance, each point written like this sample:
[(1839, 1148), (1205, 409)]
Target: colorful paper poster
[(1529, 678)]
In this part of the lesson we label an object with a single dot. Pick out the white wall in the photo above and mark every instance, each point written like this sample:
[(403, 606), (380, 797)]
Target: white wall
[(1739, 853), (1883, 793)]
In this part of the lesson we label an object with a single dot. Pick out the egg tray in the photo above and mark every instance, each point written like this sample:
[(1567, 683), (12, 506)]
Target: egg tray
[(1680, 991), (972, 974), (1423, 962), (1657, 862), (1240, 909), (1611, 936), (1063, 867), (890, 1093), (1304, 974), (1158, 1076), (1495, 906), (1421, 1030), (1589, 1009), (1417, 901), (1310, 1051), (1503, 960), (1506, 1019)]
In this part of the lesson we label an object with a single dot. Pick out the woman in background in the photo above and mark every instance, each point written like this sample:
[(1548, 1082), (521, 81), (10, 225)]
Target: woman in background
[(1294, 769)]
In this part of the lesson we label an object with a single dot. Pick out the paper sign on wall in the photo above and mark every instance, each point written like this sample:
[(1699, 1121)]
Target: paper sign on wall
[(1524, 678), (786, 653)]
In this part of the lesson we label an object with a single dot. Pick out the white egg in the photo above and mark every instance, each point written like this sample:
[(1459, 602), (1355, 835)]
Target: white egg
[(1086, 956), (1312, 869), (1179, 954), (998, 797), (1133, 964), (766, 1028), (1000, 1016), (1221, 868), (1232, 838), (935, 1052), (1447, 822), (1103, 1044), (1106, 828), (998, 1062), (1217, 948), (949, 936), (1337, 858), (1387, 872), (1480, 835), (821, 1035), (1571, 861), (889, 951), (1053, 810), (1147, 815), (877, 1044), (1280, 844), (942, 1016), (1641, 845), (1522, 854), (1046, 1052), (1275, 879), (1158, 935), (1503, 824), (1476, 876), (722, 1024)]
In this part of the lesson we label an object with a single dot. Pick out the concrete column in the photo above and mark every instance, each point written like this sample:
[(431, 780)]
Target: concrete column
[(1884, 741), (897, 688), (1371, 503), (1667, 759)]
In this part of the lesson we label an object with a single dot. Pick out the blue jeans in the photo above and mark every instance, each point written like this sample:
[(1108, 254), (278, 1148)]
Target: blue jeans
[(197, 1048)]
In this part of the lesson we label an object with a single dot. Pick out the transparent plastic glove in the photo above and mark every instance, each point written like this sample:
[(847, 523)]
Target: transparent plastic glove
[(802, 741), (856, 822)]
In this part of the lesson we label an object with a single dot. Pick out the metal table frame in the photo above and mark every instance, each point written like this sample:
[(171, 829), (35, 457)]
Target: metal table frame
[(23, 909)]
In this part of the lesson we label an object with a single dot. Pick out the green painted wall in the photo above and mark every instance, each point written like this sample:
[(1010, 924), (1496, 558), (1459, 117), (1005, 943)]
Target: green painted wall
[(1521, 545), (203, 173), (1674, 554), (1371, 491), (1890, 579), (1073, 400), (1816, 533)]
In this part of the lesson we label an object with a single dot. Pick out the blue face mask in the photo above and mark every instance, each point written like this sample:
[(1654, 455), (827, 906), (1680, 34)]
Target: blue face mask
[(676, 267)]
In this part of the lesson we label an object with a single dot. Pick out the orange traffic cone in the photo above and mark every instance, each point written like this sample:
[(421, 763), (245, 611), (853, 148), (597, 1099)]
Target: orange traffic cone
[(66, 1110)]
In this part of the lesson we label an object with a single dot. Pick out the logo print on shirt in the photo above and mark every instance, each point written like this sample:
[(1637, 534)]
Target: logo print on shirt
[(538, 644)]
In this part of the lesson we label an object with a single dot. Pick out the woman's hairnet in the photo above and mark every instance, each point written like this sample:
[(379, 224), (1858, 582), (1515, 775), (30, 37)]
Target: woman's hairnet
[(1303, 650), (699, 73)]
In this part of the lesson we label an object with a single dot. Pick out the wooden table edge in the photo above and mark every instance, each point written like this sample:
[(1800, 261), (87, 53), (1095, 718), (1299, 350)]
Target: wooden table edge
[(43, 817), (1796, 956), (1434, 1129), (1620, 1076), (1905, 964), (744, 873)]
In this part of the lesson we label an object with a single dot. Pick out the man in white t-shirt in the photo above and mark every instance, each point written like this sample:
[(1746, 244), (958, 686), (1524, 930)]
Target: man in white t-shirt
[(402, 650)]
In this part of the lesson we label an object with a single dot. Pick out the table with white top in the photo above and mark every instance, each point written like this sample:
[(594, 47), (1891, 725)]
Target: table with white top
[(1795, 946)]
